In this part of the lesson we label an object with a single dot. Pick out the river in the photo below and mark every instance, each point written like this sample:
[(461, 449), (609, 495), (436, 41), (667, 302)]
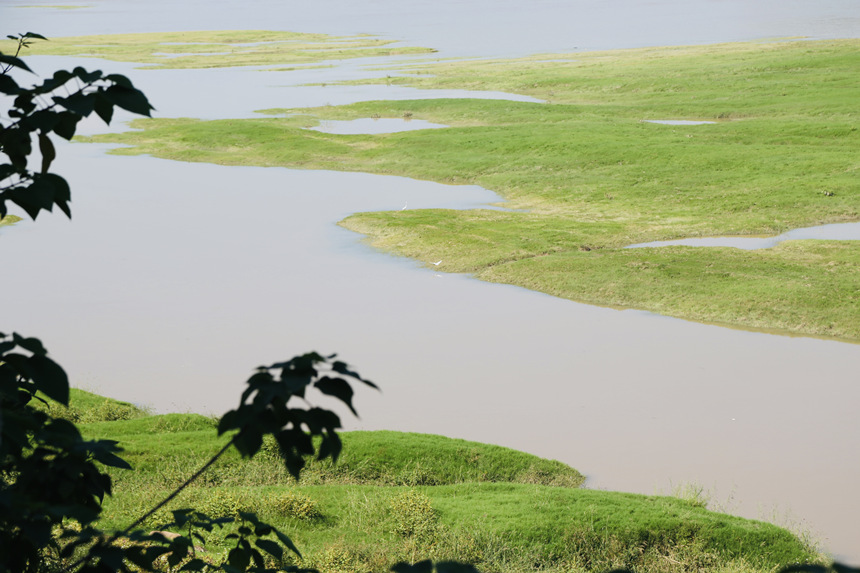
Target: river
[(174, 280)]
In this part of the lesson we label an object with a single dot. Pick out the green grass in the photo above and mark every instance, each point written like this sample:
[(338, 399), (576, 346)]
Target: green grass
[(87, 408), (589, 177), (216, 49), (406, 497), (186, 441), (9, 220), (498, 527)]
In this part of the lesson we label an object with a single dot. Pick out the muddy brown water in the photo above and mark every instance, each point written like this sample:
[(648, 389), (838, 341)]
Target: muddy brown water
[(174, 280)]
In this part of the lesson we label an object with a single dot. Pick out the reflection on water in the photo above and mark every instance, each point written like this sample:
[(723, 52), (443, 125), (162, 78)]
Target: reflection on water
[(175, 280), (832, 232), (374, 125)]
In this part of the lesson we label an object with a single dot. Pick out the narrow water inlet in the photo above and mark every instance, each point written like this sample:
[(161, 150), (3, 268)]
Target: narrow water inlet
[(678, 121), (831, 232), (374, 125)]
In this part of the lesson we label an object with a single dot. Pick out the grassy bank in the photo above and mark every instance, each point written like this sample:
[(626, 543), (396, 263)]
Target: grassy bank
[(218, 49), (589, 176), (395, 497)]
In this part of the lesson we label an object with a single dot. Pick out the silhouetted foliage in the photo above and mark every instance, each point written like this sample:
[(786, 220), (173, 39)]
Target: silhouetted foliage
[(428, 566), (51, 486), (41, 110), (51, 479)]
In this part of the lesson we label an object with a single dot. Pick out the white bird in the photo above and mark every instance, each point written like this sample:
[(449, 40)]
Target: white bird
[(437, 263), (404, 207)]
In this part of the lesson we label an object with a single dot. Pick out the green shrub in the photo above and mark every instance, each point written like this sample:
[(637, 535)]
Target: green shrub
[(106, 410), (413, 515), (293, 504), (338, 559), (219, 502), (172, 423)]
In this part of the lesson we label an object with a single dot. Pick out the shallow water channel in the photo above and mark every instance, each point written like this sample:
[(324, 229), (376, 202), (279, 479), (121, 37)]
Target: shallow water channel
[(175, 280), (832, 232)]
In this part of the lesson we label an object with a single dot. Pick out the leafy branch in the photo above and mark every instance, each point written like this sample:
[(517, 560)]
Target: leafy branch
[(265, 410), (40, 110), (24, 41), (56, 477), (52, 481)]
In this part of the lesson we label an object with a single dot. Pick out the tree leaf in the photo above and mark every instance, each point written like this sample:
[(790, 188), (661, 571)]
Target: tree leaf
[(50, 378), (330, 447), (455, 567), (67, 125), (228, 422), (195, 564), (238, 558), (120, 80), (62, 194), (425, 566), (103, 108), (9, 86), (113, 461), (48, 151), (87, 77), (34, 345), (129, 99), (288, 543), (32, 198), (248, 441), (14, 62), (258, 559), (338, 388), (80, 103)]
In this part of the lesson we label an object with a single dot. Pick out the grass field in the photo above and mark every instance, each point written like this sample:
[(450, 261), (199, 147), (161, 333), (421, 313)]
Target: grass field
[(406, 497), (587, 176)]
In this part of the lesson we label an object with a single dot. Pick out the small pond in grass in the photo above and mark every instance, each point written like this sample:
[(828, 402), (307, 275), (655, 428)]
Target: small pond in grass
[(832, 232), (678, 121), (374, 125)]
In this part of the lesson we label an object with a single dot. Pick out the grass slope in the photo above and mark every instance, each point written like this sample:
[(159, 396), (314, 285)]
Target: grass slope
[(588, 176), (405, 497), (86, 407)]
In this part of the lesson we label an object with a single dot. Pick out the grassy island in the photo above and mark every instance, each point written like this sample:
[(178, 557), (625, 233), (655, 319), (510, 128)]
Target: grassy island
[(9, 220), (585, 174), (220, 49), (396, 496)]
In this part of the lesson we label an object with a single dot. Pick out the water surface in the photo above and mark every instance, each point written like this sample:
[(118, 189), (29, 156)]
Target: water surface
[(476, 28), (374, 125), (832, 232)]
